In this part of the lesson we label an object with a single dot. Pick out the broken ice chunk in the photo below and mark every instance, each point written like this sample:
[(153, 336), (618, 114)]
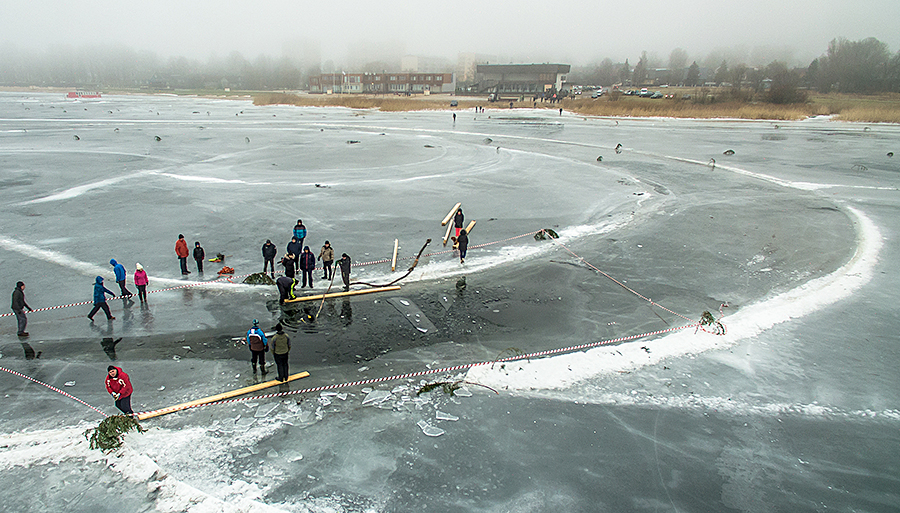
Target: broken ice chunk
[(265, 409), (324, 401), (463, 392), (342, 396), (70, 383), (428, 429), (161, 388), (377, 396), (445, 416), (272, 453)]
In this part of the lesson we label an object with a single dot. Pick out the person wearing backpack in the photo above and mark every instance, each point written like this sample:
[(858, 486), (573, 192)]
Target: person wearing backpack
[(258, 344)]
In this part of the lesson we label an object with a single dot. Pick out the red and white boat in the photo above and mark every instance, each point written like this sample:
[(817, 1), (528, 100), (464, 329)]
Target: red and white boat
[(82, 94)]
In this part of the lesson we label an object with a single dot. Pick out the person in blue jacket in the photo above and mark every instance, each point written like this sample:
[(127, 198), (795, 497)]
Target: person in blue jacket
[(119, 269), (258, 344), (299, 232), (100, 299)]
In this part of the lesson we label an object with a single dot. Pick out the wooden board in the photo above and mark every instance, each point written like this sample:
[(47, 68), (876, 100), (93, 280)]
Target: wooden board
[(451, 214), (219, 397), (342, 294), (394, 258), (447, 235), (469, 228)]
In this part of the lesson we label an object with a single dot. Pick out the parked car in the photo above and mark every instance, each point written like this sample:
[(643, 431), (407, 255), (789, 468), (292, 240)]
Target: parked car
[(454, 103), (644, 93), (656, 95)]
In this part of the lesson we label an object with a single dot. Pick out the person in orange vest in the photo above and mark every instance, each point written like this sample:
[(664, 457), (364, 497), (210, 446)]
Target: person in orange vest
[(181, 250)]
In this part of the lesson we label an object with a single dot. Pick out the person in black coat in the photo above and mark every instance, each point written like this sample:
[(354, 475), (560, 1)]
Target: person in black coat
[(295, 248), (307, 265), (199, 256), (462, 243), (269, 251), (458, 221), (288, 262), (344, 264), (18, 307)]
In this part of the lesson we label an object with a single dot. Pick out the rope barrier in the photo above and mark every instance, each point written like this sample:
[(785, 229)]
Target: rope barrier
[(453, 368), (51, 387)]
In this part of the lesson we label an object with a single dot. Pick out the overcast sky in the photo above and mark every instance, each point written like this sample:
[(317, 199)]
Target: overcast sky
[(575, 32)]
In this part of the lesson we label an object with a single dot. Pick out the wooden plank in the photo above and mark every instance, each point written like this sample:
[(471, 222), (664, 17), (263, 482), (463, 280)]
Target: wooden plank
[(451, 214), (219, 397), (469, 228), (394, 258), (342, 294), (447, 235)]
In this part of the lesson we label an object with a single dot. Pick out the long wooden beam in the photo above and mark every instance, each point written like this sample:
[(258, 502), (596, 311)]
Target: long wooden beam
[(342, 294), (451, 214), (219, 397)]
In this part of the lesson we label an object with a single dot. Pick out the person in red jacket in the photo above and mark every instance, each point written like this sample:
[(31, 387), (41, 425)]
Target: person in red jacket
[(119, 386), (181, 250)]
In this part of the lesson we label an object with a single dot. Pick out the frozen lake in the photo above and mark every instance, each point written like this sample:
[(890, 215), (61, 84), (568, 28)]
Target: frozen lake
[(795, 408)]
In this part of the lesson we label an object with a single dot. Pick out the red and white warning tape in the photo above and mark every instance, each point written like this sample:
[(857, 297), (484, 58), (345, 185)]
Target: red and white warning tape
[(51, 387)]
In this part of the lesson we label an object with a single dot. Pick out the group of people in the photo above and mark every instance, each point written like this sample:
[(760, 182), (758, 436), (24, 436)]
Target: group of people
[(300, 257), (100, 291), (259, 346), (181, 250)]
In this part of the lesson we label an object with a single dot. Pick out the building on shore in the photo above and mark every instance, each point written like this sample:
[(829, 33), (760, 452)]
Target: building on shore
[(382, 83), (520, 78)]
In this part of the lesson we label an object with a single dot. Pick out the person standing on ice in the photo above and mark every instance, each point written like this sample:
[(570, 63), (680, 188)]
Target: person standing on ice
[(199, 256), (462, 243), (119, 269), (281, 346), (256, 341), (307, 266), (140, 281), (288, 262), (344, 264), (326, 255), (299, 232), (269, 251), (100, 293), (181, 250), (458, 220), (295, 248), (18, 307), (119, 386)]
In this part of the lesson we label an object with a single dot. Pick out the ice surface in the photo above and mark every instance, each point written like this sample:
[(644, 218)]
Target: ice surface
[(799, 244)]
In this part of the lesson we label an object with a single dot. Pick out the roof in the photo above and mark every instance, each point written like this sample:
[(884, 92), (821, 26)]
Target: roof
[(523, 68)]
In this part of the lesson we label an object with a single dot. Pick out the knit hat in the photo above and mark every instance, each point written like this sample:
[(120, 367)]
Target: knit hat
[(138, 266), (19, 284), (111, 367)]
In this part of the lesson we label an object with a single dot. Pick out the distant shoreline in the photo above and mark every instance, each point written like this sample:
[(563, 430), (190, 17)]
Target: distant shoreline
[(882, 108)]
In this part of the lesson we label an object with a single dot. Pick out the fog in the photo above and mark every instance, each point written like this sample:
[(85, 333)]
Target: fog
[(346, 33)]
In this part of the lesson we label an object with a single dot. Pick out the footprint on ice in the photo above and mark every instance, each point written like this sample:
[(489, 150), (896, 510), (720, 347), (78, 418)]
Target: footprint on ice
[(429, 430)]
